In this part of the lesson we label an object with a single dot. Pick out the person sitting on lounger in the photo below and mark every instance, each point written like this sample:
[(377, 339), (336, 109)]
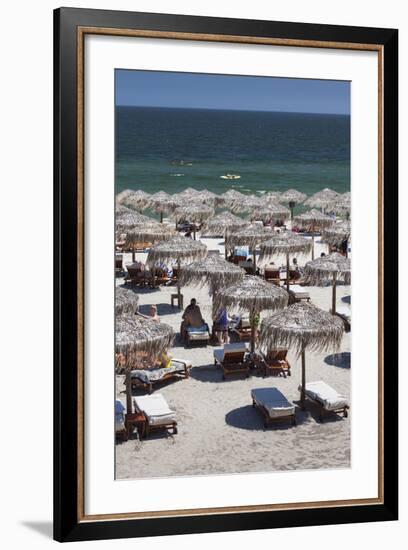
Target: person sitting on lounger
[(191, 318)]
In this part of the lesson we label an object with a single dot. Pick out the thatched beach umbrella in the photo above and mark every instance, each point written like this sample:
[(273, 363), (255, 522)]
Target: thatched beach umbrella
[(223, 224), (247, 203), (138, 200), (227, 199), (129, 221), (212, 270), (136, 335), (179, 250), (342, 204), (322, 199), (270, 212), (126, 301), (250, 236), (252, 294), (284, 243), (312, 221), (152, 232), (120, 197), (337, 234), (302, 326), (272, 196), (292, 197), (332, 268), (194, 213), (162, 202), (207, 197)]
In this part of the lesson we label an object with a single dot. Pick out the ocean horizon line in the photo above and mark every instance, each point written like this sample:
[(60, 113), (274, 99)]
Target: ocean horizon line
[(163, 107)]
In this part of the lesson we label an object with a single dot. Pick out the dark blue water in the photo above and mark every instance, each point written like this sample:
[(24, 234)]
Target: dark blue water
[(270, 151)]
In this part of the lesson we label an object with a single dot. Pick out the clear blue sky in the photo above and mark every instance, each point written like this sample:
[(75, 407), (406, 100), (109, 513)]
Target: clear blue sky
[(204, 91)]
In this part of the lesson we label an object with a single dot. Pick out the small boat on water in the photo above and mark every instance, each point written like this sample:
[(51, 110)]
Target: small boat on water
[(182, 162), (230, 177)]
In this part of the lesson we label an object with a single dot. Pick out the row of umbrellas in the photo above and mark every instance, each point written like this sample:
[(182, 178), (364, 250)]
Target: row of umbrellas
[(162, 202)]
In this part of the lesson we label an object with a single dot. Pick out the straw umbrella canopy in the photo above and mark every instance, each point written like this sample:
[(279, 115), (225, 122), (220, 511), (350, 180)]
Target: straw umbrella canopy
[(212, 270), (337, 234), (227, 199), (250, 236), (120, 197), (137, 335), (252, 294), (285, 243), (322, 199), (272, 211), (313, 220), (332, 268), (151, 232), (127, 222), (126, 301), (162, 202), (223, 224), (292, 197), (138, 200), (194, 213), (121, 209), (342, 204), (302, 326), (247, 203), (180, 250), (207, 197), (272, 196)]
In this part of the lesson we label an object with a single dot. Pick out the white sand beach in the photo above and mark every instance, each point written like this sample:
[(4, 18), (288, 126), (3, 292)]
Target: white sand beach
[(219, 432)]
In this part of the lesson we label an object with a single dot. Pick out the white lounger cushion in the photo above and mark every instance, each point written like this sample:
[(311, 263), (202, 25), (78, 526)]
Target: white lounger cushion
[(156, 409), (326, 395), (299, 291), (219, 354), (273, 401)]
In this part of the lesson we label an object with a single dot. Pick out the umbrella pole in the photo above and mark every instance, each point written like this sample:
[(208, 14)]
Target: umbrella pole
[(287, 271), (313, 230), (252, 332), (178, 282), (225, 245), (303, 390), (194, 232), (161, 217), (133, 254), (334, 294), (254, 254), (128, 382)]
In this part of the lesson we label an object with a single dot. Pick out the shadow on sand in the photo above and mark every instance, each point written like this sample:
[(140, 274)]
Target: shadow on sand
[(249, 418), (342, 360)]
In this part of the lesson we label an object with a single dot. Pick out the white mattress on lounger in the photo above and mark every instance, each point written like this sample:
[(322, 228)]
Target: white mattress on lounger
[(155, 408), (326, 395), (299, 291), (273, 401), (219, 354)]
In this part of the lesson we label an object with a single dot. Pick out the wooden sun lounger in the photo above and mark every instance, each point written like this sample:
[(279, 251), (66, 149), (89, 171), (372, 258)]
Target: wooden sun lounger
[(327, 399), (197, 335), (273, 406), (231, 359), (274, 362), (148, 378), (272, 275), (157, 414), (118, 263)]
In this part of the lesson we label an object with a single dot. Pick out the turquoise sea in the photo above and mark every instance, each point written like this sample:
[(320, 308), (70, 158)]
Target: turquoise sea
[(171, 149)]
